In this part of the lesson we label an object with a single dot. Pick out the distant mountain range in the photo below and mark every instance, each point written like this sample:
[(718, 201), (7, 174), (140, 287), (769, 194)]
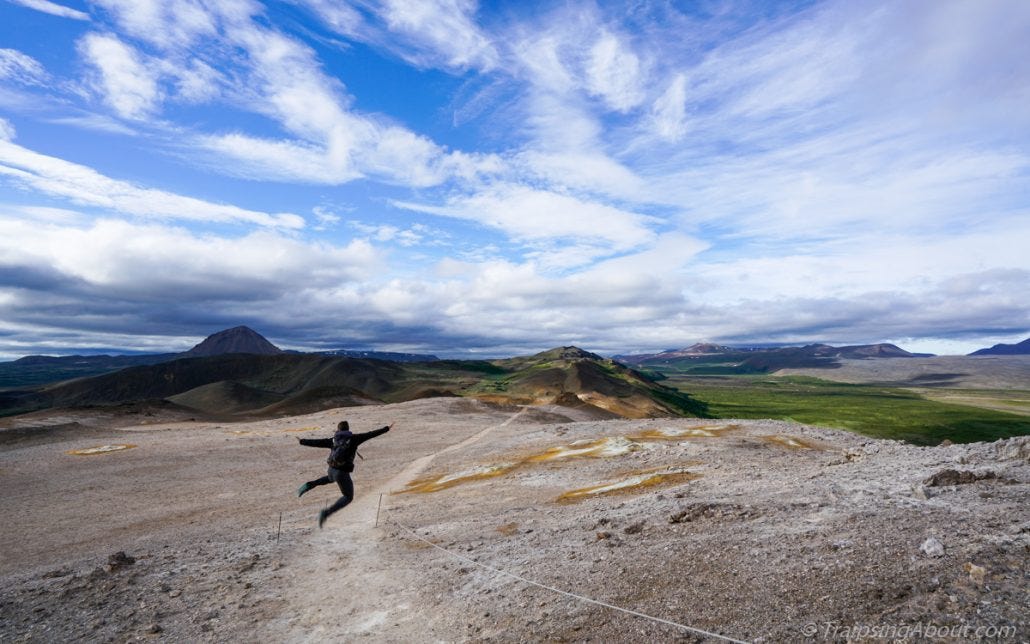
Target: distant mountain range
[(38, 370), (706, 358), (275, 384), (1019, 349)]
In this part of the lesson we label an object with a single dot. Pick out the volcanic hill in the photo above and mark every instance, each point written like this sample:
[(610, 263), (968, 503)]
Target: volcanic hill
[(240, 339)]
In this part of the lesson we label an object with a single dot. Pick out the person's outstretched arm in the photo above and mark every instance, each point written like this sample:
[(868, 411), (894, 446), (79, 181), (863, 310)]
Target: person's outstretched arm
[(361, 438), (316, 442)]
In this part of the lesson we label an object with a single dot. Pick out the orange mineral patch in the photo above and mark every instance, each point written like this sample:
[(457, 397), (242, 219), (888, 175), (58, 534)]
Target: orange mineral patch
[(100, 449), (677, 433), (632, 482), (790, 442), (600, 448), (442, 482), (508, 529)]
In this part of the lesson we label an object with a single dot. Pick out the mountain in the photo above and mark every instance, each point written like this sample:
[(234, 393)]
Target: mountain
[(32, 371), (240, 339), (711, 359), (573, 377), (1020, 349), (380, 355), (287, 383)]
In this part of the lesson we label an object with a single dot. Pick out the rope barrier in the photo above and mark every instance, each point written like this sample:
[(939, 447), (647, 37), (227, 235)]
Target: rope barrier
[(564, 592)]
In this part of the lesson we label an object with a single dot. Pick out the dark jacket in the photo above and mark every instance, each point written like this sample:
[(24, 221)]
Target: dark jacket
[(355, 441)]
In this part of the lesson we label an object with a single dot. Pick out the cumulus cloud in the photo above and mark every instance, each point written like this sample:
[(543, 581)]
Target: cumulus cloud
[(82, 185), (150, 261)]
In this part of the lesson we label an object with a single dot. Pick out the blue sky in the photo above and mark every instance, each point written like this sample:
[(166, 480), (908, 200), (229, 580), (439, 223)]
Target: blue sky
[(498, 178)]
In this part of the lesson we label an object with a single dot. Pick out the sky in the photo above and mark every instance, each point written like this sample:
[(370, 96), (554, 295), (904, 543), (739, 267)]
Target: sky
[(495, 178)]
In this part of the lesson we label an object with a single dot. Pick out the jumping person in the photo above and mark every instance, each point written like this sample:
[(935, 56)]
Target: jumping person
[(342, 448)]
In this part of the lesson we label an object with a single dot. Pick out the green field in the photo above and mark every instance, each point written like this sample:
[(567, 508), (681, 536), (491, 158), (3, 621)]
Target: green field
[(880, 412)]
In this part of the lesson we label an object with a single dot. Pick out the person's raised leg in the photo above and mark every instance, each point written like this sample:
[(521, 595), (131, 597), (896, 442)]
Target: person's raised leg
[(325, 480), (346, 489)]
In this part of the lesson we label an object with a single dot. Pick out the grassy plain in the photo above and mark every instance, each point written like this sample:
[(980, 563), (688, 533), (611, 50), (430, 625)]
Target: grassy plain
[(873, 410)]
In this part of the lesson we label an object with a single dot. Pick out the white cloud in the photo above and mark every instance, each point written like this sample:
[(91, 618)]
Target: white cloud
[(96, 122), (53, 9), (669, 111), (443, 27), (586, 170), (425, 33), (278, 159), (614, 73), (21, 68), (83, 185), (412, 236), (126, 82), (172, 23), (7, 131), (137, 259), (525, 213)]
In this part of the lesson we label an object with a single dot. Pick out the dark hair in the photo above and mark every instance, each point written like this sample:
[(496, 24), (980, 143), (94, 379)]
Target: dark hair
[(343, 426)]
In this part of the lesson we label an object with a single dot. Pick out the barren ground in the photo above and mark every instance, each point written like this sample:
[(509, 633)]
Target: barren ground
[(749, 529)]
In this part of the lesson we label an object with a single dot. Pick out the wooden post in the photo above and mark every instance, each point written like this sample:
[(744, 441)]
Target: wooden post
[(379, 508)]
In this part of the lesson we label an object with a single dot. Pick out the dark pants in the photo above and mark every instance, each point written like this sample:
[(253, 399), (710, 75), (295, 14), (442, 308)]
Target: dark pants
[(342, 479)]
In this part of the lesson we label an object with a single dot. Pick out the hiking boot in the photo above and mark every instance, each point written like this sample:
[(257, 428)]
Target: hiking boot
[(322, 516), (304, 488)]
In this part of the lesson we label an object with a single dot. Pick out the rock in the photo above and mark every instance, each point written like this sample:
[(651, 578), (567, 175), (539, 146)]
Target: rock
[(120, 559), (634, 528), (932, 548), (977, 574), (920, 492), (957, 477), (154, 628), (1013, 449)]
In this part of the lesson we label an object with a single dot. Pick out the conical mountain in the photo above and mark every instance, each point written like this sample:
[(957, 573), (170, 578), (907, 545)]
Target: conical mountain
[(240, 339)]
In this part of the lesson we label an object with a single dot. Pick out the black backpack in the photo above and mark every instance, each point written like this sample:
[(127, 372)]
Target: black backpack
[(338, 456)]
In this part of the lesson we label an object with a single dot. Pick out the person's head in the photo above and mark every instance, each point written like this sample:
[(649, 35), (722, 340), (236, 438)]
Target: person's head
[(343, 426)]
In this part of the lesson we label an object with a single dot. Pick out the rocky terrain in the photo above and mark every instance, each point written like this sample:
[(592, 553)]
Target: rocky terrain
[(146, 526)]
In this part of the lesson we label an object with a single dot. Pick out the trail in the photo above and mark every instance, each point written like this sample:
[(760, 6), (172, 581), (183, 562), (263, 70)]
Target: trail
[(328, 598)]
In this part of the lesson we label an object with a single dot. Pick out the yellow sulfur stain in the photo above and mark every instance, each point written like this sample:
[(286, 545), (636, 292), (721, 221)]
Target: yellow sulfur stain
[(676, 433), (789, 442), (650, 478), (302, 429), (102, 449), (437, 483), (600, 448)]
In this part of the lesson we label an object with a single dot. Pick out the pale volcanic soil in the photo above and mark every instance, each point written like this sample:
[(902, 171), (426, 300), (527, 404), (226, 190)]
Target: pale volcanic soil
[(755, 530)]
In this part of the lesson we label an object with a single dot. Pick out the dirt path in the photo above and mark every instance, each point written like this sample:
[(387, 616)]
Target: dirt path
[(325, 601)]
